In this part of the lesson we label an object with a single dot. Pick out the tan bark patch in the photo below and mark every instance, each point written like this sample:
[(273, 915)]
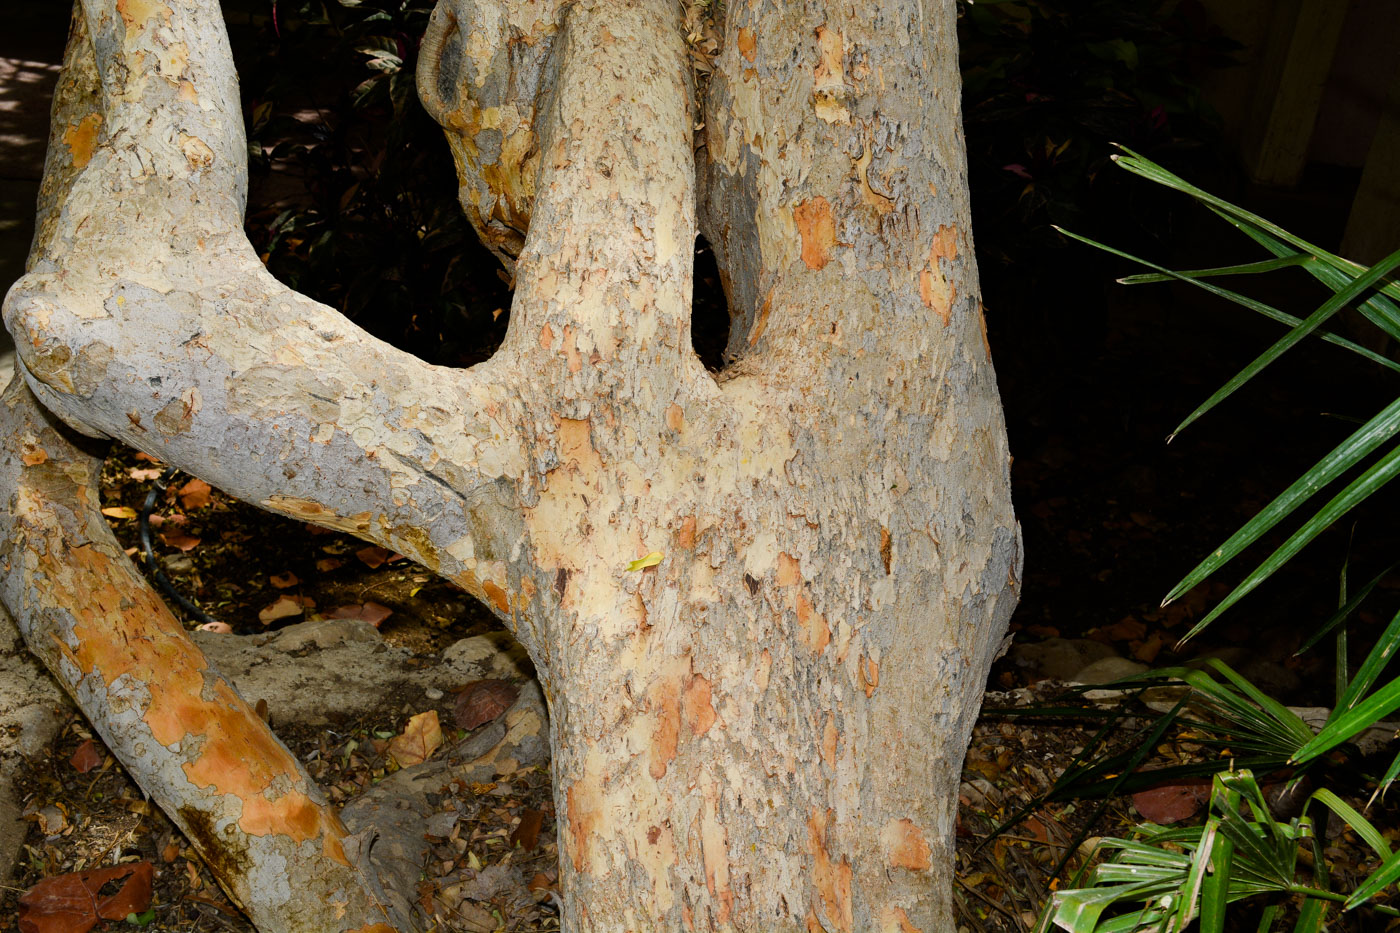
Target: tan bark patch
[(675, 417), (318, 514), (760, 322), (829, 77), (872, 199), (137, 12), (831, 879), (81, 139), (715, 843), (817, 228), (905, 845), (886, 549), (197, 152), (789, 570), (829, 738), (697, 706), (584, 804), (936, 290), (546, 337)]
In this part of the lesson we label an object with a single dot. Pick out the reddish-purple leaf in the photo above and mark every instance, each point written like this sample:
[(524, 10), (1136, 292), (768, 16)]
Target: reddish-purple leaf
[(483, 701)]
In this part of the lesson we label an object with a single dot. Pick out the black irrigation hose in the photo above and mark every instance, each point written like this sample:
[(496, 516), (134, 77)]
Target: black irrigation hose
[(148, 554)]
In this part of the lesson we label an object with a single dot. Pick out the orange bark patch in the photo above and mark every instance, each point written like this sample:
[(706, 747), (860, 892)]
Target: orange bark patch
[(570, 349), (982, 320), (789, 570), (760, 321), (815, 632), (675, 417), (31, 454), (817, 228), (584, 806), (905, 846), (665, 735), (81, 139), (685, 538), (576, 446), (895, 920), (697, 705), (498, 596), (886, 550), (748, 44), (546, 337), (831, 879), (935, 289)]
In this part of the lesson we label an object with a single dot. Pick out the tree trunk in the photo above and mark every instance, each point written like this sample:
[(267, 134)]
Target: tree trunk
[(763, 730)]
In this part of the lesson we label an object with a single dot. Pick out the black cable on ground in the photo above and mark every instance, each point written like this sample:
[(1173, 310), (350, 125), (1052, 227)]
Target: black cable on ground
[(148, 554)]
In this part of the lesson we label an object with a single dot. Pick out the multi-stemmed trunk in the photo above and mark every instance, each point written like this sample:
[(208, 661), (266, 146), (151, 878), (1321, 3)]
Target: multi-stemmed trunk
[(760, 731)]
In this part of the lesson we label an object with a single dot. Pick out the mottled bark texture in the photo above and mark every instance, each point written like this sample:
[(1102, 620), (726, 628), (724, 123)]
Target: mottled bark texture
[(762, 732)]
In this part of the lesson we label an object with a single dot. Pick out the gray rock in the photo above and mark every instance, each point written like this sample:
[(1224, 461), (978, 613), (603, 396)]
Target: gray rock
[(1057, 658)]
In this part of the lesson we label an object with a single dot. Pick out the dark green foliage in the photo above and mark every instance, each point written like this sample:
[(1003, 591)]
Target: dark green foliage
[(354, 194), (1049, 84)]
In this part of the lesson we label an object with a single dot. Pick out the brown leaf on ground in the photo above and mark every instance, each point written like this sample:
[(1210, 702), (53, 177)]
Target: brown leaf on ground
[(370, 612), (87, 757), (178, 539), (327, 564), (482, 701), (72, 903), (419, 739), (1125, 629), (527, 834), (1172, 803), (283, 607), (373, 556), (195, 494), (283, 580)]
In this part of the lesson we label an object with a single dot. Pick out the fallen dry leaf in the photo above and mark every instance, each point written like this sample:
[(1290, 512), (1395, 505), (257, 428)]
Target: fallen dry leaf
[(119, 511), (373, 556), (482, 701), (527, 834), (283, 580), (420, 738), (195, 494), (370, 612), (72, 903), (86, 757), (1172, 803), (178, 539), (327, 564), (142, 475), (283, 607)]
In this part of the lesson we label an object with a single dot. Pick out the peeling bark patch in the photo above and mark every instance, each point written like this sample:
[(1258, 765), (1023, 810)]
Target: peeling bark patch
[(665, 735), (905, 846), (583, 803), (197, 152), (829, 739), (760, 323), (178, 414), (895, 920), (831, 879), (685, 538), (675, 417), (869, 675), (817, 228), (136, 12), (31, 454), (317, 514), (816, 634), (715, 843), (829, 77), (886, 549), (747, 44), (81, 139), (498, 596), (936, 290), (698, 706)]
